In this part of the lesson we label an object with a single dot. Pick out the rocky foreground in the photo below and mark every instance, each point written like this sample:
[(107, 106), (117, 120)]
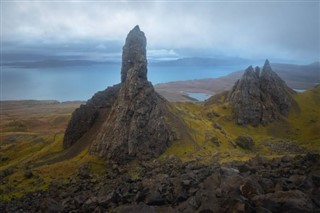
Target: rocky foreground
[(287, 184)]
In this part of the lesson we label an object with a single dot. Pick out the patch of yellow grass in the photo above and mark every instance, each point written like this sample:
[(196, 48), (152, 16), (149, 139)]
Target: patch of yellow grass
[(305, 123), (302, 126)]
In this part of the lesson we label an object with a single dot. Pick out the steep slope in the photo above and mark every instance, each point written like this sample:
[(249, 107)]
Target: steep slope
[(85, 116), (260, 98), (134, 122)]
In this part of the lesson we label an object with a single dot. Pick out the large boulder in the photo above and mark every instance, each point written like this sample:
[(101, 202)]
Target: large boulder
[(284, 201), (245, 142)]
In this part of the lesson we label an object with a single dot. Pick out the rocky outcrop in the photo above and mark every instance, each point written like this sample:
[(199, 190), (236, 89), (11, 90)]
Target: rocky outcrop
[(136, 127), (260, 97), (135, 124), (84, 117), (277, 90), (245, 98)]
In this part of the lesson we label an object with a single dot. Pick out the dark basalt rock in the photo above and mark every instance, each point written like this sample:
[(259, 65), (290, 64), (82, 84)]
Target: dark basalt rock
[(245, 142), (84, 117), (136, 127), (134, 52), (260, 97), (285, 201), (276, 88), (245, 98), (273, 187), (128, 120), (28, 173)]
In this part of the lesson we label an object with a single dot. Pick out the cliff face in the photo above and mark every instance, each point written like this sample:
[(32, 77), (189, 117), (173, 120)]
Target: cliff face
[(260, 97), (134, 54), (135, 122)]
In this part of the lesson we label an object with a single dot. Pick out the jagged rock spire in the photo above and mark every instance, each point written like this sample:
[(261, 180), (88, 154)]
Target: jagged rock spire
[(134, 59), (259, 98), (129, 120), (249, 73), (277, 90), (245, 98), (267, 66), (136, 126)]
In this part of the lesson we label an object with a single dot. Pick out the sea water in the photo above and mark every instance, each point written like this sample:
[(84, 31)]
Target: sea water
[(81, 82), (199, 96)]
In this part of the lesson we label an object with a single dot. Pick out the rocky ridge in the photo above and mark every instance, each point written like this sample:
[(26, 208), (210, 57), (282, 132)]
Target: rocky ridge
[(260, 97), (133, 117)]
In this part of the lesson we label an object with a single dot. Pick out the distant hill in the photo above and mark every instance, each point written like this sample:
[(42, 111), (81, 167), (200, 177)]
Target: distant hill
[(54, 63), (299, 77), (200, 62)]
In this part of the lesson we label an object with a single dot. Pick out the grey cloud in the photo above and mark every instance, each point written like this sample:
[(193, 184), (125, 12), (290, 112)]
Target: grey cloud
[(283, 30)]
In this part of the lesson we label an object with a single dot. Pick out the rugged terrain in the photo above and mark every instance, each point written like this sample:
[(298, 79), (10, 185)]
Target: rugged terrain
[(287, 184), (209, 173), (127, 149)]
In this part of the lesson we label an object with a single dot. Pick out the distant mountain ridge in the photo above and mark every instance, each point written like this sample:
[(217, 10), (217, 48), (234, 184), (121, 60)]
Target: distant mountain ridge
[(36, 61), (47, 63), (204, 61)]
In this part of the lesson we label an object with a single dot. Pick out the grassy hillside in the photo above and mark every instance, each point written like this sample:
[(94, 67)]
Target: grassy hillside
[(32, 134), (215, 132), (305, 123)]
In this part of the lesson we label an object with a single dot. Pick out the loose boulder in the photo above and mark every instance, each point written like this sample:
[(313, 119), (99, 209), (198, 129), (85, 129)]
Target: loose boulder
[(245, 142)]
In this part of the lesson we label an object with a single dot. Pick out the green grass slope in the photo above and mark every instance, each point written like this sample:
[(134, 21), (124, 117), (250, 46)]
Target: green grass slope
[(214, 131)]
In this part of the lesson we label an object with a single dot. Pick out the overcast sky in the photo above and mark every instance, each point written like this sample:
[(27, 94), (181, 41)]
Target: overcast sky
[(280, 30)]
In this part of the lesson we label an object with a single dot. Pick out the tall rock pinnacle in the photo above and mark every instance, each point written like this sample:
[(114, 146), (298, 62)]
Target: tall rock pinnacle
[(137, 124), (260, 97), (134, 59), (245, 98), (128, 120)]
